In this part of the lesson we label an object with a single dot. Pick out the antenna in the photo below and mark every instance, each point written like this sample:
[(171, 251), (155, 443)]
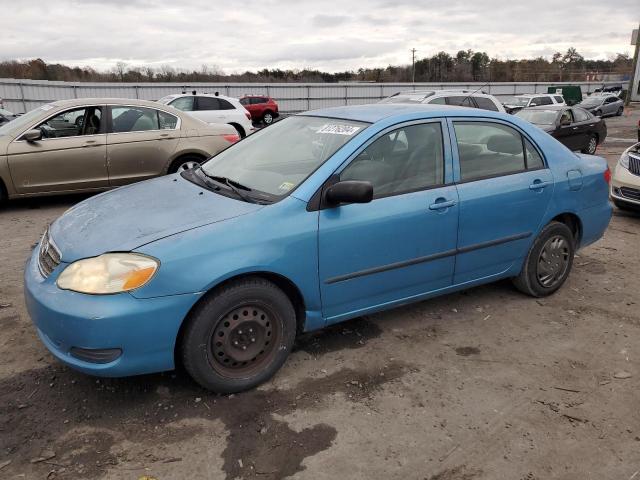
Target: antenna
[(476, 90)]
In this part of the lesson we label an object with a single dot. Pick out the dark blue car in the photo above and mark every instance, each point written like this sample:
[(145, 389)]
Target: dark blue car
[(317, 219)]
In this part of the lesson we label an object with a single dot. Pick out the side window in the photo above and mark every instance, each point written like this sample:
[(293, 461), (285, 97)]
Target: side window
[(167, 121), (488, 149), (611, 100), (438, 101), (485, 104), (580, 115), (183, 103), (534, 160), (566, 118), (559, 99), (408, 159), (224, 105), (245, 101), (134, 119), (208, 103), (73, 123), (460, 101), (544, 101)]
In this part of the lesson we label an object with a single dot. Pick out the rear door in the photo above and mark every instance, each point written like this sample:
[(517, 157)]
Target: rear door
[(586, 126), (402, 244), (70, 156), (504, 188), (569, 134), (208, 110), (139, 143)]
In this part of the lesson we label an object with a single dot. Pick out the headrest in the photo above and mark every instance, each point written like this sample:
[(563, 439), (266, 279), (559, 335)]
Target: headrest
[(504, 144)]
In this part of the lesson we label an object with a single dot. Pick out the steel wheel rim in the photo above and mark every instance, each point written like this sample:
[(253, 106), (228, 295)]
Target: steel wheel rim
[(553, 261), (188, 166), (244, 341), (268, 118), (592, 145)]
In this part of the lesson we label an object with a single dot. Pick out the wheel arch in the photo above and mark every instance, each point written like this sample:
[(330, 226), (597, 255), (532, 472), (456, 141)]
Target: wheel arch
[(290, 289), (239, 128), (574, 223), (185, 153)]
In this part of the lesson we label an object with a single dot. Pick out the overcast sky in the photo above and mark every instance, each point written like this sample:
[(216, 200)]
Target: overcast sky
[(328, 35)]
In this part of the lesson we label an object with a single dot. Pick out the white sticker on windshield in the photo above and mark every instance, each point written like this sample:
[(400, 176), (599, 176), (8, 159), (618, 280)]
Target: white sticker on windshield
[(339, 129)]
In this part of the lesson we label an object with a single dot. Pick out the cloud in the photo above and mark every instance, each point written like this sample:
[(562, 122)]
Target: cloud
[(304, 34)]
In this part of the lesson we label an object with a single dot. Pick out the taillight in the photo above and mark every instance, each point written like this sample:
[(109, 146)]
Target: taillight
[(231, 137), (607, 176)]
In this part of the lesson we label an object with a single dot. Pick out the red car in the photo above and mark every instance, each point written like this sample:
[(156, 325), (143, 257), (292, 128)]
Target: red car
[(263, 109)]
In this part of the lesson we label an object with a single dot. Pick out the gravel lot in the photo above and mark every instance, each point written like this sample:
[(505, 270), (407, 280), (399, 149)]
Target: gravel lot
[(483, 384)]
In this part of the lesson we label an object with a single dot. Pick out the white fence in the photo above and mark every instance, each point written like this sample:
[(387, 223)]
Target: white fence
[(23, 95)]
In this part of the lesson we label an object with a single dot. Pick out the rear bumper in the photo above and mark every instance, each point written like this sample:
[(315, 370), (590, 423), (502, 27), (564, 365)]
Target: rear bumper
[(143, 330), (595, 221)]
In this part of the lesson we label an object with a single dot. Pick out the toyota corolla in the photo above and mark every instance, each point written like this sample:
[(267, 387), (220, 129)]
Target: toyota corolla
[(322, 217)]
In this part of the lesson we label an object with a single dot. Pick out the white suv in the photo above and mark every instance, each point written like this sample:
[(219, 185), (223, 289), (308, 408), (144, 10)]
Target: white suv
[(460, 98), (533, 100), (212, 108)]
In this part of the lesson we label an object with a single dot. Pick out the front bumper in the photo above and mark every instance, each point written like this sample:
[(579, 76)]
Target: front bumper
[(144, 330), (625, 186)]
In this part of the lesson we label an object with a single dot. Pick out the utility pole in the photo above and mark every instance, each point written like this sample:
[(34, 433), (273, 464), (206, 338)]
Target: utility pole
[(634, 68), (413, 64)]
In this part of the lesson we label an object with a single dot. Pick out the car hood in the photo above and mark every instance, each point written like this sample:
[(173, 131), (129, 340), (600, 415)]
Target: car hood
[(132, 216)]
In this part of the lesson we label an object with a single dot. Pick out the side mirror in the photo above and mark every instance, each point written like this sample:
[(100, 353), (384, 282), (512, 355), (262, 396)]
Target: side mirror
[(32, 135), (349, 191)]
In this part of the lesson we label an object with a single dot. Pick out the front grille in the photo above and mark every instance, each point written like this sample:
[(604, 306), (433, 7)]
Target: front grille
[(630, 193), (48, 255), (634, 164)]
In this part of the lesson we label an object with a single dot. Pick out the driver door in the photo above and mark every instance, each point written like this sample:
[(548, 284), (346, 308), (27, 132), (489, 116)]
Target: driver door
[(400, 245), (70, 156), (569, 134)]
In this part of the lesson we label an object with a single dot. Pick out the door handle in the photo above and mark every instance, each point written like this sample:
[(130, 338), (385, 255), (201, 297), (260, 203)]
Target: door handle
[(575, 128), (539, 184), (441, 204), (90, 143)]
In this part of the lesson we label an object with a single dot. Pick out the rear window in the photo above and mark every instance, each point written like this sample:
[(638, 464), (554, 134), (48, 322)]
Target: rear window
[(559, 99), (460, 101), (485, 104)]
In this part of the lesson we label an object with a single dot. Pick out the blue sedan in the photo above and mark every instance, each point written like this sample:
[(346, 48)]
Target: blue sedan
[(322, 217)]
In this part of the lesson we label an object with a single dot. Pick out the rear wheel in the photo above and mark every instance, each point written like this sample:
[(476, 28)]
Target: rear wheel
[(239, 337), (619, 112), (549, 261), (592, 145), (184, 163), (267, 118)]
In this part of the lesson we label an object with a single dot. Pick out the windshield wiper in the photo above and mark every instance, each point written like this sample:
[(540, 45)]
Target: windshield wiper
[(232, 184)]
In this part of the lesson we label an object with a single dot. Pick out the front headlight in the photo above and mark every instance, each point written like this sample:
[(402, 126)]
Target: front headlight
[(108, 273), (624, 158)]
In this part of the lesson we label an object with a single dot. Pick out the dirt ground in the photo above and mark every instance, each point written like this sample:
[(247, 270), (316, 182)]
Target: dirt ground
[(483, 384)]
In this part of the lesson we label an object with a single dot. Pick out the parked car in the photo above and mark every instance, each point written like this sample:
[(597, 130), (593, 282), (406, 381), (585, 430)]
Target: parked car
[(603, 105), (319, 218), (213, 108), (6, 116), (519, 102), (460, 98), (574, 127), (625, 184), (96, 144), (262, 109)]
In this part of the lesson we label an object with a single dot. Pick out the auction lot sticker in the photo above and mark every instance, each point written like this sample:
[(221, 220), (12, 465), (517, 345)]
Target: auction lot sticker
[(339, 129)]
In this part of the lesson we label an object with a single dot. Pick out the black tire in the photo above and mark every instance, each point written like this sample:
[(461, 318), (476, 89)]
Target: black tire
[(620, 111), (223, 358), (592, 145), (3, 194), (181, 164), (557, 263), (267, 117)]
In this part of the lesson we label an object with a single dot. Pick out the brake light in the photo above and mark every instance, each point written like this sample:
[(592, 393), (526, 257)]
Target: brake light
[(231, 137), (607, 176)]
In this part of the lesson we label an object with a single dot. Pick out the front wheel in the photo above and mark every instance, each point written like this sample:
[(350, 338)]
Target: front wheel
[(549, 261), (592, 145), (184, 163), (619, 112), (267, 118), (239, 337)]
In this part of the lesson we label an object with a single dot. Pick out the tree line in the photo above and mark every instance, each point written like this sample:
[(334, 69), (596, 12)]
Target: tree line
[(465, 65)]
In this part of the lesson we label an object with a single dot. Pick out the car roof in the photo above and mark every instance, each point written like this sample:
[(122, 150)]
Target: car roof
[(199, 94), (549, 107), (104, 101), (372, 113)]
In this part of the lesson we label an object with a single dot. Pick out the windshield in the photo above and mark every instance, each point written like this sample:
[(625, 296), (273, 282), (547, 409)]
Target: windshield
[(591, 102), (406, 98), (167, 99), (521, 101), (539, 117), (277, 159), (24, 120)]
